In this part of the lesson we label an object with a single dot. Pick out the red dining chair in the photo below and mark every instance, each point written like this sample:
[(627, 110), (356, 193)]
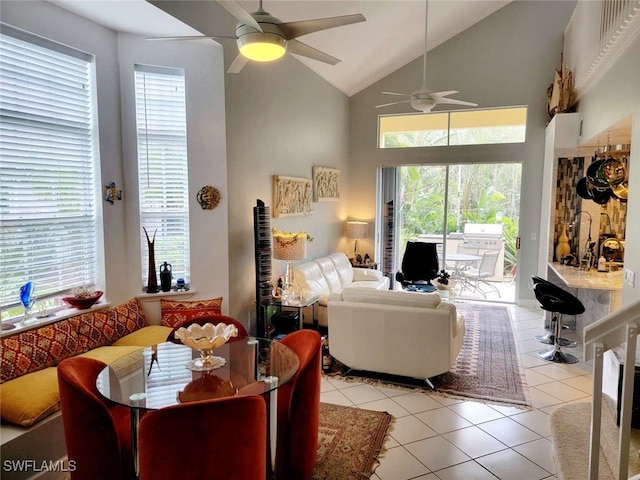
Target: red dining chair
[(219, 439), (214, 319), (97, 432), (299, 409)]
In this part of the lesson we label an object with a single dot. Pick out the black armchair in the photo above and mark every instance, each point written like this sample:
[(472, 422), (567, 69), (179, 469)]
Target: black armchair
[(419, 267)]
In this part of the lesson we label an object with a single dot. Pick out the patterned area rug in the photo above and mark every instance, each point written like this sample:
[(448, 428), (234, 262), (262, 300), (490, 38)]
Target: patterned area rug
[(488, 367), (349, 442)]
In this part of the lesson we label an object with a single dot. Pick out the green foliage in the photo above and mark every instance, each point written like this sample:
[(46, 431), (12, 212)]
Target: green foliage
[(478, 193)]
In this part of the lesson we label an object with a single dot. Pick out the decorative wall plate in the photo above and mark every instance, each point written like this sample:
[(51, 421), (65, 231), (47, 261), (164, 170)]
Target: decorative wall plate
[(208, 197)]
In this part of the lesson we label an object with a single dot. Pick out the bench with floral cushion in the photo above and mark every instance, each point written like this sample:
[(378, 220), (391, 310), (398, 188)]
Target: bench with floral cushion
[(31, 430), (28, 378)]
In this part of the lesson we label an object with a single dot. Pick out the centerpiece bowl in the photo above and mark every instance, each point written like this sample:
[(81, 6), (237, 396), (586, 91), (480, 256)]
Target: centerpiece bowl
[(206, 338), (83, 302)]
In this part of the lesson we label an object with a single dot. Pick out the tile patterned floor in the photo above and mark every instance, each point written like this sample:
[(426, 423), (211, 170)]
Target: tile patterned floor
[(439, 438)]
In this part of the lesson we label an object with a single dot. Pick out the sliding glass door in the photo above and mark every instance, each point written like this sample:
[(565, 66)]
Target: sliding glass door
[(467, 209)]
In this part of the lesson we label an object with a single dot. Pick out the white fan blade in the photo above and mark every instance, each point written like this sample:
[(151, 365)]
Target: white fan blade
[(297, 29), (201, 37), (298, 48), (240, 13), (445, 94), (453, 101), (237, 64), (393, 103), (399, 94)]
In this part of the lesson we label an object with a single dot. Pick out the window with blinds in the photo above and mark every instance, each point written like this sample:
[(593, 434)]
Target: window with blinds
[(48, 181), (162, 167)]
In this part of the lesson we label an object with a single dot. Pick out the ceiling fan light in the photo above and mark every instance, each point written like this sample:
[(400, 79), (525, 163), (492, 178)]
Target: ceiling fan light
[(263, 47)]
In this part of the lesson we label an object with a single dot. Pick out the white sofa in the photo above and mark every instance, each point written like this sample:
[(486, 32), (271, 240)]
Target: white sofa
[(332, 274), (394, 332)]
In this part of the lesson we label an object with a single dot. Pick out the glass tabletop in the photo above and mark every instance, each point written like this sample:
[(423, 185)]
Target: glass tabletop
[(157, 376), (299, 303)]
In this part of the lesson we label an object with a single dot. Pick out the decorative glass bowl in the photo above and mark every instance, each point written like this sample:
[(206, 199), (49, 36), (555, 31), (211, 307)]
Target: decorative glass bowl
[(83, 302), (206, 338)]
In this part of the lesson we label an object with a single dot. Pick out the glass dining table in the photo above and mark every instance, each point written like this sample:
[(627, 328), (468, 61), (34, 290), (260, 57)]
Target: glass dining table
[(157, 377)]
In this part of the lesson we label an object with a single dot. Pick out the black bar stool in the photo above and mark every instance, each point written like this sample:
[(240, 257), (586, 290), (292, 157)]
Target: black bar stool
[(550, 338), (560, 302)]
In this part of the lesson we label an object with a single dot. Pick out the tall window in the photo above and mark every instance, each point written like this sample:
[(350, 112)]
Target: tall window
[(162, 167), (48, 180)]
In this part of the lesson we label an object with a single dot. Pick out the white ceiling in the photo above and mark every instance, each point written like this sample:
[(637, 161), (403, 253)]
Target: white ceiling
[(392, 36)]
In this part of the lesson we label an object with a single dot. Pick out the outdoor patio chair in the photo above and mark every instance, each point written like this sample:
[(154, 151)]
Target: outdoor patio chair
[(474, 278)]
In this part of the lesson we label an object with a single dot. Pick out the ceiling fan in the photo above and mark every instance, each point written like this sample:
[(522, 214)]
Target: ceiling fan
[(424, 99), (264, 38)]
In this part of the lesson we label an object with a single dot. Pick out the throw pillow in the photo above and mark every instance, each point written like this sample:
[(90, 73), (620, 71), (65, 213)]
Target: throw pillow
[(104, 327), (177, 313), (37, 349)]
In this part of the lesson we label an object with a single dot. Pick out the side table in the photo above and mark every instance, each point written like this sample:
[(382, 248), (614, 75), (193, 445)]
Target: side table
[(372, 265), (299, 305)]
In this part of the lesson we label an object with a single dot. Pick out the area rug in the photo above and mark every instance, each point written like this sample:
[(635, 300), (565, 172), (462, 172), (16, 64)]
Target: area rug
[(488, 367), (349, 442)]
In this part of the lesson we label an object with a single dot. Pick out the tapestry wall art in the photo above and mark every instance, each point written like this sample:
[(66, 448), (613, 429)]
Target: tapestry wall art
[(291, 196), (325, 184)]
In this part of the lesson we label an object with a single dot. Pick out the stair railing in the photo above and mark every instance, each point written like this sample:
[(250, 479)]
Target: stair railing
[(617, 328)]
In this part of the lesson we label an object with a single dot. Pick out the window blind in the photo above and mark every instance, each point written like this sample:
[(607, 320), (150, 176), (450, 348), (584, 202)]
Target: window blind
[(162, 167), (47, 167)]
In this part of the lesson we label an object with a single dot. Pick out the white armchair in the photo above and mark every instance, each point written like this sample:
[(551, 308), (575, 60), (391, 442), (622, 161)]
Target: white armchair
[(395, 332)]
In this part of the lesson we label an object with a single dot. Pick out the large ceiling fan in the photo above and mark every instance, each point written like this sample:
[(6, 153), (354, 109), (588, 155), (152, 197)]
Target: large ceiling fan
[(263, 38), (424, 99)]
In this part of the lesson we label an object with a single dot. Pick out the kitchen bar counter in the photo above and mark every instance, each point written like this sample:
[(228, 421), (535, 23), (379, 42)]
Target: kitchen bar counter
[(599, 292), (575, 278)]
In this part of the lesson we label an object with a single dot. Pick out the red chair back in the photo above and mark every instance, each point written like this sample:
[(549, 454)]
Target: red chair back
[(213, 319), (97, 432), (219, 439), (299, 409)]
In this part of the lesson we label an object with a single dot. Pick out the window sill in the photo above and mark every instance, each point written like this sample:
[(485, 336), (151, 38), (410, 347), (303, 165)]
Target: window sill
[(151, 297), (52, 318)]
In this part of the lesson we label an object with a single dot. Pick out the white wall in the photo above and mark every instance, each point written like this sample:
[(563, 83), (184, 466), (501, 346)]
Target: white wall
[(281, 120), (506, 59), (115, 56)]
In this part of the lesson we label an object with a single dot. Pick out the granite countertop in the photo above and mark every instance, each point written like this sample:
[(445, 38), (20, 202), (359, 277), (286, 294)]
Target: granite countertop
[(592, 279)]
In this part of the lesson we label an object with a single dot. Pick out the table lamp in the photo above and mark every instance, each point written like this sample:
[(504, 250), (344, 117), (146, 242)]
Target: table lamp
[(289, 247), (357, 230)]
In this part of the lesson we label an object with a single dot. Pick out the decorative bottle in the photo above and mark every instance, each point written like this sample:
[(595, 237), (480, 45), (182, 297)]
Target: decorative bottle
[(165, 276), (563, 248)]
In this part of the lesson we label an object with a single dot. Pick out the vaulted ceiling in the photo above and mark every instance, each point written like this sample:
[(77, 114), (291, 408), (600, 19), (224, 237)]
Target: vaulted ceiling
[(391, 37)]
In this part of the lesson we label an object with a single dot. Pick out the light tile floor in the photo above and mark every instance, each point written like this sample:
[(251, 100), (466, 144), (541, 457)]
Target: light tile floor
[(440, 438)]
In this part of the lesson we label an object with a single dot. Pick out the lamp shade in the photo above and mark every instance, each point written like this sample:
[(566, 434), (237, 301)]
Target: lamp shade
[(357, 229), (289, 246)]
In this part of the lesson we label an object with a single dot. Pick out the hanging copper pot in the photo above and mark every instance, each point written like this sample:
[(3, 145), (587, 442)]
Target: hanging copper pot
[(621, 191), (611, 171)]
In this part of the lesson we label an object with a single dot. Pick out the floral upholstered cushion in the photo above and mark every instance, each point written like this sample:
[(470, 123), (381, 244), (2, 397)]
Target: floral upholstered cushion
[(37, 349), (103, 327), (177, 313)]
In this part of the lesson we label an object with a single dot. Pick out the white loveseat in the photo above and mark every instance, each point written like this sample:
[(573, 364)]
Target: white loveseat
[(332, 274), (394, 332)]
